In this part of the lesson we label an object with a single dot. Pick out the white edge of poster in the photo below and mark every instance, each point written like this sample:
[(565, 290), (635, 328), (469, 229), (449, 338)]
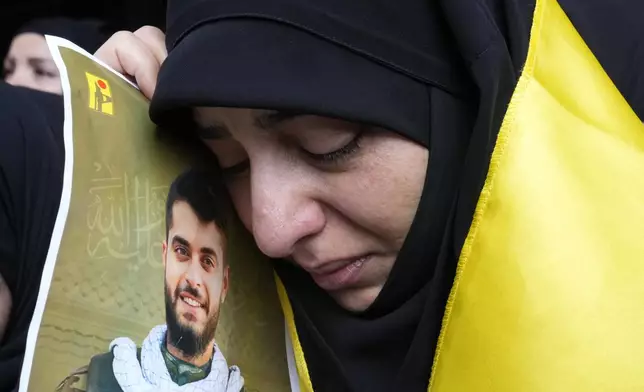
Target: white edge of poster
[(54, 43), (290, 358)]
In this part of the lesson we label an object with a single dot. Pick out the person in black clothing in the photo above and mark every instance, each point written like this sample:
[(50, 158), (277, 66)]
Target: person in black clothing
[(29, 63), (356, 138), (315, 95), (31, 175), (5, 306), (32, 158)]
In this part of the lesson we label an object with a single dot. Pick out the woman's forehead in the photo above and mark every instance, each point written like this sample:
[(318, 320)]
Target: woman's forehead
[(30, 45), (222, 116), (266, 116)]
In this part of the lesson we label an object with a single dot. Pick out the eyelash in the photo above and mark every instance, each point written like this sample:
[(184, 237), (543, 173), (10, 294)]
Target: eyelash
[(330, 158), (41, 73), (38, 72), (181, 251), (235, 170), (340, 154)]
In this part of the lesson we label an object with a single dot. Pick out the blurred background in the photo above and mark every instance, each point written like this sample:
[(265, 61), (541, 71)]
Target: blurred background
[(117, 14), (26, 61)]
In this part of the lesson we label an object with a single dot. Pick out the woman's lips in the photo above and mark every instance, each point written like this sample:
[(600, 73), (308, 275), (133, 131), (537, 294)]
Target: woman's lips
[(342, 277)]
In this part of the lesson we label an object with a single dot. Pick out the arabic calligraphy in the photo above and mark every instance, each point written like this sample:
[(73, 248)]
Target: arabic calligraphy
[(125, 218)]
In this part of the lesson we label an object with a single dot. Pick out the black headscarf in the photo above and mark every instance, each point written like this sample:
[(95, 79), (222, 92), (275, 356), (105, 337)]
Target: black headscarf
[(440, 73), (31, 176), (89, 34)]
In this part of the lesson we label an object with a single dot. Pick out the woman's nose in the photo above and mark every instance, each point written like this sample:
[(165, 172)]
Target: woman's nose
[(284, 209)]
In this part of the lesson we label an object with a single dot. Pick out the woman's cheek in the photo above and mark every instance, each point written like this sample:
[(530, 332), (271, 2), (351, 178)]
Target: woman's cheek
[(240, 194)]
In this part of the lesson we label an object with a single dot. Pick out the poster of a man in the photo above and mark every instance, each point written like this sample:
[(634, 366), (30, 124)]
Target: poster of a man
[(183, 351)]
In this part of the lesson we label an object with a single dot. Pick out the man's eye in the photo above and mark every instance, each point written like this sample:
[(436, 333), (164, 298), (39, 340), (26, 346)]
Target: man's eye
[(180, 250), (209, 262)]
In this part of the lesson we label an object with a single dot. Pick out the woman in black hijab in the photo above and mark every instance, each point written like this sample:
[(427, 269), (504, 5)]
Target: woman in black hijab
[(29, 63), (31, 175), (347, 104), (357, 140), (329, 167)]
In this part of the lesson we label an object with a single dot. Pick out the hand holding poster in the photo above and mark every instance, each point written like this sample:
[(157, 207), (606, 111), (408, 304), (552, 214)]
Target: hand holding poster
[(150, 282)]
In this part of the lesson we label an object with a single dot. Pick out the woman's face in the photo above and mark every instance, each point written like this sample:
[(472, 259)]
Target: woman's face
[(29, 64), (5, 306), (334, 197)]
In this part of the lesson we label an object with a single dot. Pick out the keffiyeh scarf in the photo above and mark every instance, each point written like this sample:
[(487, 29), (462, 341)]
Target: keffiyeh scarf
[(151, 374)]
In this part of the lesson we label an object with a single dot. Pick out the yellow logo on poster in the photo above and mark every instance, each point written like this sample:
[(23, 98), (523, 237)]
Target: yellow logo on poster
[(100, 94)]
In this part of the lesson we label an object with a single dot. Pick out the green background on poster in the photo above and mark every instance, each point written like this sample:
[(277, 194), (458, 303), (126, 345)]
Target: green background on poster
[(108, 278)]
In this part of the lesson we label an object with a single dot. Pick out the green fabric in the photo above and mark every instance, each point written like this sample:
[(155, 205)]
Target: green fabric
[(181, 371), (97, 377)]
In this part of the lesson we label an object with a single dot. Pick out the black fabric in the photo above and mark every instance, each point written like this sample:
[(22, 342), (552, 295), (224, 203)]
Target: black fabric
[(465, 55), (614, 31), (406, 36), (89, 34), (265, 62), (100, 376), (285, 52), (31, 171)]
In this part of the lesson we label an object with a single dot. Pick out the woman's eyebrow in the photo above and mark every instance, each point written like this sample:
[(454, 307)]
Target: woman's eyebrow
[(270, 120), (37, 61), (213, 131), (264, 121)]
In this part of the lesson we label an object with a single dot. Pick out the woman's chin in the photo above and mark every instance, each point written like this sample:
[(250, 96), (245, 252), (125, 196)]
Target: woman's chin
[(356, 300)]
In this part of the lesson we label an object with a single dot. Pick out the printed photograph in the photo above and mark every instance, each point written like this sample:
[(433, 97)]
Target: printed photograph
[(183, 350), (150, 282)]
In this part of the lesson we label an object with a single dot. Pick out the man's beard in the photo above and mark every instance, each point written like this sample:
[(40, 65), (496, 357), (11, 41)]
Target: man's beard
[(183, 337)]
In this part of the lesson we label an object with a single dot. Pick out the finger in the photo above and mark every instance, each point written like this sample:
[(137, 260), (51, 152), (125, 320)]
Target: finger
[(106, 53), (154, 40), (127, 54)]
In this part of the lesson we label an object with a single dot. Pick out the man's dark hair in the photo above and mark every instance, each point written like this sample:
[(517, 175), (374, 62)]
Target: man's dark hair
[(205, 194)]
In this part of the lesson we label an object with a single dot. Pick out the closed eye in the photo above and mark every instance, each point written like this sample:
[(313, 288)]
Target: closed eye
[(42, 73), (237, 169), (340, 154)]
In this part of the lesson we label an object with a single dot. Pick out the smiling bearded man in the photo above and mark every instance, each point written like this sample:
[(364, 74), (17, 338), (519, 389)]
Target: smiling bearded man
[(196, 283)]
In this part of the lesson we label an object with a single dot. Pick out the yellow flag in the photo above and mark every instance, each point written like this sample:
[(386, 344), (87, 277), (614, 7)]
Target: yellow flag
[(549, 286)]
